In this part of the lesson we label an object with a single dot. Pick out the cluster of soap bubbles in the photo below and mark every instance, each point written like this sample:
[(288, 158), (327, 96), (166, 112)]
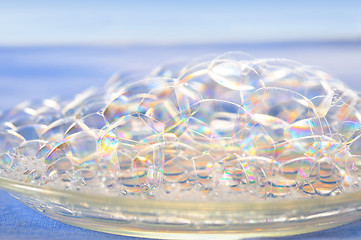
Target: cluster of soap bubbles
[(230, 126)]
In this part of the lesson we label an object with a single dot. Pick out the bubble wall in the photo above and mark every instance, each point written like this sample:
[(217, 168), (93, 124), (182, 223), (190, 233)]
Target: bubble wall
[(230, 127)]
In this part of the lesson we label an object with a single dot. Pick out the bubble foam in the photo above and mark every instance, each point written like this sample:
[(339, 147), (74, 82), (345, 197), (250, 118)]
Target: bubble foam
[(230, 128)]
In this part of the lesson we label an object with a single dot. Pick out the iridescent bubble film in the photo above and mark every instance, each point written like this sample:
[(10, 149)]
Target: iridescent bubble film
[(225, 128)]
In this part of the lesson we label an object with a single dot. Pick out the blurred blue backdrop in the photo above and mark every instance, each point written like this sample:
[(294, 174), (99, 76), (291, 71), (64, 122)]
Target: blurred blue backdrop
[(42, 22)]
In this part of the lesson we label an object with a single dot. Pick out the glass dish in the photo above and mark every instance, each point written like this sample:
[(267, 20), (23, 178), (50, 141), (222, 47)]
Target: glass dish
[(188, 220)]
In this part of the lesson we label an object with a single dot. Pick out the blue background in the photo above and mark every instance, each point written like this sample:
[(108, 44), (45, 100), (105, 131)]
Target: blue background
[(41, 22)]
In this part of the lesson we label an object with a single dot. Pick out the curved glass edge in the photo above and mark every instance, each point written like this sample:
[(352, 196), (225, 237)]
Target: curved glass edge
[(279, 204)]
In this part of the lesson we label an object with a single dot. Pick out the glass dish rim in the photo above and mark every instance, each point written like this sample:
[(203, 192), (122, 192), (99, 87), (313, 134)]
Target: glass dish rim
[(16, 187)]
